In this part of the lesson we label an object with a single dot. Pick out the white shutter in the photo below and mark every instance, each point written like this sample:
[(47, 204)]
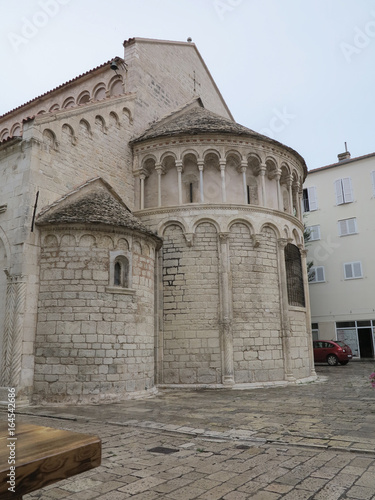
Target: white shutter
[(313, 201), (343, 230), (339, 193), (319, 273), (347, 190), (348, 271), (316, 274), (315, 232), (373, 182), (352, 226), (357, 270)]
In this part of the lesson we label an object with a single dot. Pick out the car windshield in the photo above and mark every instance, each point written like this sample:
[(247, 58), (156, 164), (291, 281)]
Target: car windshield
[(341, 344)]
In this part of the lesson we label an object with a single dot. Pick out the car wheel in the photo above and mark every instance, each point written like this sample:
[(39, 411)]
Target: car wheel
[(344, 362), (332, 360)]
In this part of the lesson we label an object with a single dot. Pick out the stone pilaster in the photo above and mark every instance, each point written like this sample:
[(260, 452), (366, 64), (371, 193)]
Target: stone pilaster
[(226, 310), (13, 328)]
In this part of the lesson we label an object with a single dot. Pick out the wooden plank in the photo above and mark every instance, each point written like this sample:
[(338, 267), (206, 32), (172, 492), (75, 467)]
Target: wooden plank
[(44, 456)]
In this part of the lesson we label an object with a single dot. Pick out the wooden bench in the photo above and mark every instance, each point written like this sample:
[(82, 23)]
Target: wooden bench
[(42, 456)]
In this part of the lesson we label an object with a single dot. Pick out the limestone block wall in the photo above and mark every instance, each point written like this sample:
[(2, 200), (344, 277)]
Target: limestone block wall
[(299, 343), (163, 84), (96, 85), (19, 254), (94, 341), (76, 145), (223, 303), (191, 349), (257, 342)]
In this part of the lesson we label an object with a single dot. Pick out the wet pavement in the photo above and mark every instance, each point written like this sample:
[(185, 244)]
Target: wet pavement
[(305, 441)]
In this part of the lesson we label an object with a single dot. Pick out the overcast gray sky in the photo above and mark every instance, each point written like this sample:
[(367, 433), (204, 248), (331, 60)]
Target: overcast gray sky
[(300, 71)]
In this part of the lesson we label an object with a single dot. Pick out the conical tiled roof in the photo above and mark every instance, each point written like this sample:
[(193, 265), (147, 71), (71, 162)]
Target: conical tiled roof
[(93, 203), (194, 119)]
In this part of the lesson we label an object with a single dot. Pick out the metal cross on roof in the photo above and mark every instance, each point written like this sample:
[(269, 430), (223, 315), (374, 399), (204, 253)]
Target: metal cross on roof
[(195, 81)]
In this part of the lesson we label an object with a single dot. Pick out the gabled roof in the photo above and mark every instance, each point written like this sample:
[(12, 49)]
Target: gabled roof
[(342, 162), (94, 202)]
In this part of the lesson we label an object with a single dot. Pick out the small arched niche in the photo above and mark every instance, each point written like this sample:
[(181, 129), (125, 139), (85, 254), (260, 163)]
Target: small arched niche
[(190, 179), (116, 86), (169, 191), (233, 178), (84, 97), (99, 92), (150, 183), (68, 103)]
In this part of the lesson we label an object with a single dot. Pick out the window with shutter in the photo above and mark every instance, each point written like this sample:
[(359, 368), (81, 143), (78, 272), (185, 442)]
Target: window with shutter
[(344, 191), (309, 199), (316, 274), (347, 190), (314, 232), (352, 270), (347, 226), (313, 201)]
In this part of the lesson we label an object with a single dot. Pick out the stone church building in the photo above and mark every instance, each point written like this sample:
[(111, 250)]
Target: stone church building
[(146, 239)]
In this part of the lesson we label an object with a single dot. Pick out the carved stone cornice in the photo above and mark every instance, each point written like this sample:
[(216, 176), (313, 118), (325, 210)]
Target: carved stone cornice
[(252, 209)]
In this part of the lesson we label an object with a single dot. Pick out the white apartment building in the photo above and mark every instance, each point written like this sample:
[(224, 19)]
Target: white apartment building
[(339, 211)]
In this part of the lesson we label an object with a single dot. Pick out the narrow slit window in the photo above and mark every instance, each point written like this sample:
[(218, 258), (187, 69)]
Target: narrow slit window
[(117, 279), (121, 272), (191, 192)]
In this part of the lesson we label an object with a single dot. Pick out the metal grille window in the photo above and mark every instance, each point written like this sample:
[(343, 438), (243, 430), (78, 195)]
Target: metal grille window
[(294, 276)]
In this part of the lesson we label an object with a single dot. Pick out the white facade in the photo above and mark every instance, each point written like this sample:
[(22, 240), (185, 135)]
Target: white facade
[(339, 203)]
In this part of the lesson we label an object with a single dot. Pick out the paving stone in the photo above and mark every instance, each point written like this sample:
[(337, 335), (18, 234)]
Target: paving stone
[(278, 488), (360, 493), (219, 460)]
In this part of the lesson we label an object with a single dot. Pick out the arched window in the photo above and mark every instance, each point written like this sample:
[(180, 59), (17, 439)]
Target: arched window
[(121, 272), (294, 276)]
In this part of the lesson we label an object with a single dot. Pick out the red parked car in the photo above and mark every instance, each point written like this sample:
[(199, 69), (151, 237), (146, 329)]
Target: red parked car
[(332, 352)]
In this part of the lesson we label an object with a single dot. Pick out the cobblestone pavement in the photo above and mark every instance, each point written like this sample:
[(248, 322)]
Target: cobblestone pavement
[(311, 441)]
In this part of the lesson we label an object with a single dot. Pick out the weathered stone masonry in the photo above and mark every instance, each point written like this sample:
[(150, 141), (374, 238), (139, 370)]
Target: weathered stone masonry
[(147, 238)]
